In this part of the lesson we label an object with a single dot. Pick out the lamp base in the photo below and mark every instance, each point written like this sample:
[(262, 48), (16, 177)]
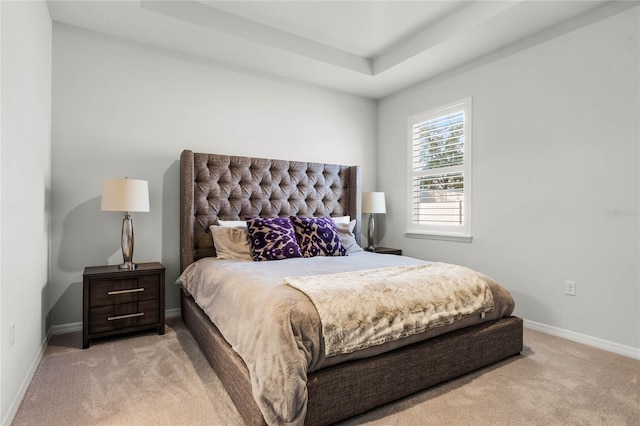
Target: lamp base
[(127, 244), (127, 266), (371, 235)]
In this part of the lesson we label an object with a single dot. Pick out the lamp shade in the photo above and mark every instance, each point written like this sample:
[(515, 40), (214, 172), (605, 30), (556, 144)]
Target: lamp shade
[(125, 195), (373, 202)]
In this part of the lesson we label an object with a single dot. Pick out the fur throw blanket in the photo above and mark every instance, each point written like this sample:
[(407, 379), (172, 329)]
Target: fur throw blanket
[(365, 308)]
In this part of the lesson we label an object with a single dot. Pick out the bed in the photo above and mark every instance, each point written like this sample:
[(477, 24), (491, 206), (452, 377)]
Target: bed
[(217, 187)]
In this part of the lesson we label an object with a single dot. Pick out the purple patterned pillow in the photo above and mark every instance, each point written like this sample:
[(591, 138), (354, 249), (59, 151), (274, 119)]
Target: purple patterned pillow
[(317, 236), (272, 238)]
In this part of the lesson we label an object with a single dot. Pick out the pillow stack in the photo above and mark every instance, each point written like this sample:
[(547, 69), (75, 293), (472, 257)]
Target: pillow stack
[(278, 238)]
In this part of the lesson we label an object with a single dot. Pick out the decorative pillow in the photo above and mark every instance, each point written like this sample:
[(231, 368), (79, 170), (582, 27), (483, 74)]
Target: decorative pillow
[(347, 238), (231, 243), (272, 238), (317, 236)]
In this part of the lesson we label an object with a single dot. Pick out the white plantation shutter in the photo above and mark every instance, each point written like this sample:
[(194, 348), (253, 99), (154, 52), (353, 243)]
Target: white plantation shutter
[(440, 164)]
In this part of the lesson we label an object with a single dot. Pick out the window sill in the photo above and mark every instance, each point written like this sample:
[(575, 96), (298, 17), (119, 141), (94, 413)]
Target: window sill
[(441, 237)]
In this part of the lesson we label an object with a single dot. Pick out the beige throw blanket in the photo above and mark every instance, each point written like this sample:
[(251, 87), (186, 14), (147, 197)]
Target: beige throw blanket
[(366, 308)]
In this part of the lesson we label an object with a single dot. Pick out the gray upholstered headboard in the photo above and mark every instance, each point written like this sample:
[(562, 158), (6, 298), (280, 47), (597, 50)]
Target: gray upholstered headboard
[(231, 188)]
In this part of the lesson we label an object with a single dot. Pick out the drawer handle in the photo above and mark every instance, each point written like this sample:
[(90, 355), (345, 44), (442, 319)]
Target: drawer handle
[(133, 290), (139, 314)]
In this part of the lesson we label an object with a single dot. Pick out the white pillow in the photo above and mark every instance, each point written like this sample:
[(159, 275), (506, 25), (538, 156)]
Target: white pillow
[(341, 219), (347, 238), (233, 223), (231, 243)]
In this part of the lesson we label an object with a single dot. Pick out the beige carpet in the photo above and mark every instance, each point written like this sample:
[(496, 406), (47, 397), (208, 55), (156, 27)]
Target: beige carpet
[(165, 380)]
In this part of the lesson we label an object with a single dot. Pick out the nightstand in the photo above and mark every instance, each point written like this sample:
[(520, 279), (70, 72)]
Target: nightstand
[(117, 301), (385, 250)]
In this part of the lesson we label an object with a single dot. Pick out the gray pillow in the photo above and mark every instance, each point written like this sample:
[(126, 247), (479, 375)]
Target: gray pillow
[(347, 238), (231, 243)]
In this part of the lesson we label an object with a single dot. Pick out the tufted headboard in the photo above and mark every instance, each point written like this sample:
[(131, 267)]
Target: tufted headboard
[(230, 188)]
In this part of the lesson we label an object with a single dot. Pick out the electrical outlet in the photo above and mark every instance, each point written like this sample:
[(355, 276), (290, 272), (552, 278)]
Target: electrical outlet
[(12, 335), (570, 288)]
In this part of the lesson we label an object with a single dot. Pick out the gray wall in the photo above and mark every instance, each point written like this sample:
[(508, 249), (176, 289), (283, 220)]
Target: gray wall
[(25, 156), (555, 174), (121, 109)]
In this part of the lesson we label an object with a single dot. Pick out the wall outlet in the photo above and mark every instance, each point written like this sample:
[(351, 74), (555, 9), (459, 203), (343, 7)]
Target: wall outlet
[(12, 335), (570, 288)]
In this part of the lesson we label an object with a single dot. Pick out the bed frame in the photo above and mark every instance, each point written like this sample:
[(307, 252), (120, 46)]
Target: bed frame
[(230, 188)]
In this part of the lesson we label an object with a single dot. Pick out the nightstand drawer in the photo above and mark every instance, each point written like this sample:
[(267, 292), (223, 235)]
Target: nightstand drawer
[(114, 317), (109, 292)]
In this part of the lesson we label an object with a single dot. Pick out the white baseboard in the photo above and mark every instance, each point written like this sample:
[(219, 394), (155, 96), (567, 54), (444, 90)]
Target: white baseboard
[(77, 326), (172, 313), (66, 328), (554, 331), (22, 390), (596, 342)]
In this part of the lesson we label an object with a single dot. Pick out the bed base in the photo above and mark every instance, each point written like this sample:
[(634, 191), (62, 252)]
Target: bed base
[(339, 392)]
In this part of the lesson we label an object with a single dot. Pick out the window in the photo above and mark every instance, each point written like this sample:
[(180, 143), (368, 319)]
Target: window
[(440, 173)]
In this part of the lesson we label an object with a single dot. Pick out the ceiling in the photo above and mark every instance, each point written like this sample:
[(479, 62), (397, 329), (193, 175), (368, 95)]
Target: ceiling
[(367, 48)]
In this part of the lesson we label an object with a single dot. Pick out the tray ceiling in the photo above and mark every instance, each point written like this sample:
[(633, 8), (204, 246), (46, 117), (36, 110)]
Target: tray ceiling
[(367, 48)]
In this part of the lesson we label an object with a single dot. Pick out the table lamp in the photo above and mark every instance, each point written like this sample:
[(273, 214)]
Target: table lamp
[(126, 195), (373, 203)]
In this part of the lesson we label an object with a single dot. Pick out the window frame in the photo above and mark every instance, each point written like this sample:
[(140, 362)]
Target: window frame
[(436, 231)]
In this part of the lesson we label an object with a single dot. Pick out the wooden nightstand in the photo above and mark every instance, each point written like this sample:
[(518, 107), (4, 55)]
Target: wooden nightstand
[(117, 301), (385, 250)]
